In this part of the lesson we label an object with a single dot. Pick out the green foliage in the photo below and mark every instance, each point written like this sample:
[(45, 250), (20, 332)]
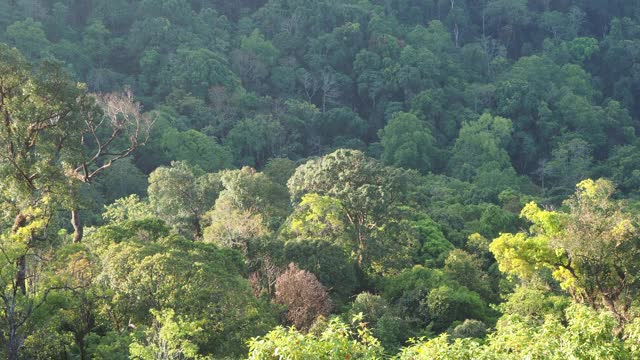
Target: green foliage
[(330, 263), (198, 70), (181, 195), (432, 245), (470, 329), (590, 248), (588, 334), (467, 269), (337, 341), (407, 143), (176, 273), (123, 179), (481, 145), (426, 298), (321, 217), (384, 320), (279, 170), (256, 140), (366, 191), (249, 190), (195, 148), (569, 164), (126, 209), (535, 304), (167, 338), (29, 37), (491, 107), (261, 48)]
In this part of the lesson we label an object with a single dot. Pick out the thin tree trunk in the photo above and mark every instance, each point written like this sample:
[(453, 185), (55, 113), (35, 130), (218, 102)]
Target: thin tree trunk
[(13, 348), (361, 247), (78, 228), (197, 226), (456, 33), (21, 275), (611, 306), (483, 24), (82, 347), (15, 342)]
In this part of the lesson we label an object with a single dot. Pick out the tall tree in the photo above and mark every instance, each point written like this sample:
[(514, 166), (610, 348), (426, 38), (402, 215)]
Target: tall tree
[(367, 191), (43, 113), (182, 194), (408, 143), (592, 248), (106, 139)]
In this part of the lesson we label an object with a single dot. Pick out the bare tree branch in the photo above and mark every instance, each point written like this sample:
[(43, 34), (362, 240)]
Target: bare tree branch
[(119, 132)]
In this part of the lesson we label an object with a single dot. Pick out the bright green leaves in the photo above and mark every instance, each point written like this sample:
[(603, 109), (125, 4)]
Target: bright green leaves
[(548, 222), (201, 283), (522, 256), (525, 255), (591, 248), (587, 335), (167, 338), (335, 341), (318, 217)]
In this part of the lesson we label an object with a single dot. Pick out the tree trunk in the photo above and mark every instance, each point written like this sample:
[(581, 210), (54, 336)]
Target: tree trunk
[(198, 228), (15, 341), (82, 347), (197, 225), (362, 244), (13, 348), (78, 228), (620, 314), (483, 24), (21, 275), (456, 33)]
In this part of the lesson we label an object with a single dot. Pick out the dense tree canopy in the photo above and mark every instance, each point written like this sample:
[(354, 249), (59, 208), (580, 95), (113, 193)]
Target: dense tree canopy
[(181, 179)]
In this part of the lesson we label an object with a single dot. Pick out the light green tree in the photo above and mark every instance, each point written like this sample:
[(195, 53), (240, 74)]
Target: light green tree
[(167, 338), (591, 248), (181, 195)]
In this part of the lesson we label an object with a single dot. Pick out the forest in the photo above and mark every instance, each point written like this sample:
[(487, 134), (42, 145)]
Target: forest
[(319, 179)]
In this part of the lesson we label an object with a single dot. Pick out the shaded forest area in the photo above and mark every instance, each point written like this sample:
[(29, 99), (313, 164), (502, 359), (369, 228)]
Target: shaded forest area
[(293, 179)]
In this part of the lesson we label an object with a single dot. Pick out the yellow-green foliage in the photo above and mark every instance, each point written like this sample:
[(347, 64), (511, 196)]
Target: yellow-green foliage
[(590, 248), (589, 334), (337, 341)]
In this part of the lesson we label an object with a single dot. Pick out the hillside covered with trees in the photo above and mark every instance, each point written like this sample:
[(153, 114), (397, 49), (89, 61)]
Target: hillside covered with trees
[(319, 179)]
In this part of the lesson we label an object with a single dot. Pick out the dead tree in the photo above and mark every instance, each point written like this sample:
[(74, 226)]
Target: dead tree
[(121, 130)]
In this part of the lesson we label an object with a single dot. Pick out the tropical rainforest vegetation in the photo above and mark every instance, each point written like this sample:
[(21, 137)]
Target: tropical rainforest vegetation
[(319, 179)]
